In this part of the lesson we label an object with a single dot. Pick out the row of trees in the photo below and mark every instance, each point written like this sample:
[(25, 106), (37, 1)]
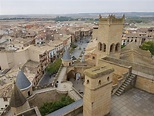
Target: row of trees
[(53, 106), (54, 67)]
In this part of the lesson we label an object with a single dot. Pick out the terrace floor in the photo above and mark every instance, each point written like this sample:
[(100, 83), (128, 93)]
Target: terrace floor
[(133, 103)]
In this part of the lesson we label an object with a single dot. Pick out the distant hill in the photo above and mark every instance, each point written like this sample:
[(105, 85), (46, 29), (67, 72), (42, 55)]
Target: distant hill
[(81, 15)]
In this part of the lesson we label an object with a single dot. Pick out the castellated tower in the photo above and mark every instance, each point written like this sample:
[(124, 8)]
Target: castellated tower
[(109, 35), (97, 91)]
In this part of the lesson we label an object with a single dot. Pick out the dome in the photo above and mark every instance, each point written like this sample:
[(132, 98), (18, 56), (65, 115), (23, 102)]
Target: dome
[(22, 82)]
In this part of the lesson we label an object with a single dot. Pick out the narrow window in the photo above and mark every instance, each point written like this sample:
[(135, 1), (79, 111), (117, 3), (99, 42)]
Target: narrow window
[(99, 82), (108, 78)]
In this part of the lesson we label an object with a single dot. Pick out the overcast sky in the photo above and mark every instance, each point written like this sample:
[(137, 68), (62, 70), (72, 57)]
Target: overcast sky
[(73, 6)]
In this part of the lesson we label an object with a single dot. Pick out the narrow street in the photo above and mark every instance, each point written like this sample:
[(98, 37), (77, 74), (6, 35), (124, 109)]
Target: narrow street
[(46, 79)]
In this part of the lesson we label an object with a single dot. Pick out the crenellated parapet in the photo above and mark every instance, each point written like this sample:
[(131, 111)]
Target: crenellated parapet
[(111, 19)]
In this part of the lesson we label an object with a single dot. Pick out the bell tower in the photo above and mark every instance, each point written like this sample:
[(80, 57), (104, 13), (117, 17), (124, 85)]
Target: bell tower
[(97, 91), (109, 36)]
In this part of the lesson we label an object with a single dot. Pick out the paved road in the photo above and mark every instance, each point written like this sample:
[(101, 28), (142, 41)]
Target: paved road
[(46, 79), (81, 44)]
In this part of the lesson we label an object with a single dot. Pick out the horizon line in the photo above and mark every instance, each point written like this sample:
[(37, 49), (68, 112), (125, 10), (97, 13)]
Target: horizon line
[(82, 13)]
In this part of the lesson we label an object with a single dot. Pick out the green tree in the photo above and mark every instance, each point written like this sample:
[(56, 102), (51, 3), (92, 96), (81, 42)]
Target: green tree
[(148, 46), (54, 67), (73, 45)]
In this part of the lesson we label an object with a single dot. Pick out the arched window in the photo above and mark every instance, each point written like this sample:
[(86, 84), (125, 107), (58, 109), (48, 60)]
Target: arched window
[(100, 46), (104, 47), (112, 48), (117, 47)]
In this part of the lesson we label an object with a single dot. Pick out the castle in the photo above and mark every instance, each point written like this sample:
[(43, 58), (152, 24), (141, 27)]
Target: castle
[(116, 70)]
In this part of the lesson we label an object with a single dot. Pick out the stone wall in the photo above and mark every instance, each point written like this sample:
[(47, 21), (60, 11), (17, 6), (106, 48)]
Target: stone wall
[(75, 112), (145, 84), (145, 75), (119, 70), (40, 98), (136, 67)]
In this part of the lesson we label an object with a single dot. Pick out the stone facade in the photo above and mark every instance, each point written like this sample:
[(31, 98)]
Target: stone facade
[(109, 34), (97, 91), (145, 84), (27, 92)]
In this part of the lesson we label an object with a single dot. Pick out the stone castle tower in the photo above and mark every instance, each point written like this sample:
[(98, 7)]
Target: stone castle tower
[(97, 91), (109, 35)]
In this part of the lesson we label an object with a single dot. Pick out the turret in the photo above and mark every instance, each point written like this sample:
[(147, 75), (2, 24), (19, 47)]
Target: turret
[(109, 36), (18, 102), (24, 84), (66, 59)]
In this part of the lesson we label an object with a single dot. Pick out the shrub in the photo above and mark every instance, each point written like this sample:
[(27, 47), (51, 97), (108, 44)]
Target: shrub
[(53, 106), (122, 46)]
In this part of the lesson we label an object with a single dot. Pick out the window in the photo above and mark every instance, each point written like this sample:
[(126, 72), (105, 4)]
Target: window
[(93, 57), (108, 78), (135, 40), (104, 50), (28, 93), (117, 47), (112, 48), (99, 82), (100, 46), (87, 81), (5, 98)]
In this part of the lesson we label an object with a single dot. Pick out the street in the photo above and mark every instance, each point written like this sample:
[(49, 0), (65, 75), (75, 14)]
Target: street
[(46, 79), (81, 44)]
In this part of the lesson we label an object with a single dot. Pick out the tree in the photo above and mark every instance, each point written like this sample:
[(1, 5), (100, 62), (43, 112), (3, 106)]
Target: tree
[(148, 46), (53, 68)]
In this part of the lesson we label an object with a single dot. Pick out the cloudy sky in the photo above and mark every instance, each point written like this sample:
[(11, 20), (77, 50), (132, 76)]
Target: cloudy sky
[(73, 6)]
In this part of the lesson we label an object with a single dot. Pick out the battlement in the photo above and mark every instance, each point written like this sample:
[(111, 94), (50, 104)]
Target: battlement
[(111, 19), (96, 72)]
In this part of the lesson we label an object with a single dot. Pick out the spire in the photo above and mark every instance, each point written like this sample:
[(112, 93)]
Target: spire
[(17, 98), (22, 82)]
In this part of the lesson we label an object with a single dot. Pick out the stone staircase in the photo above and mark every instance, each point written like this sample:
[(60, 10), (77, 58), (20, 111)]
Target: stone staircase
[(125, 84)]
